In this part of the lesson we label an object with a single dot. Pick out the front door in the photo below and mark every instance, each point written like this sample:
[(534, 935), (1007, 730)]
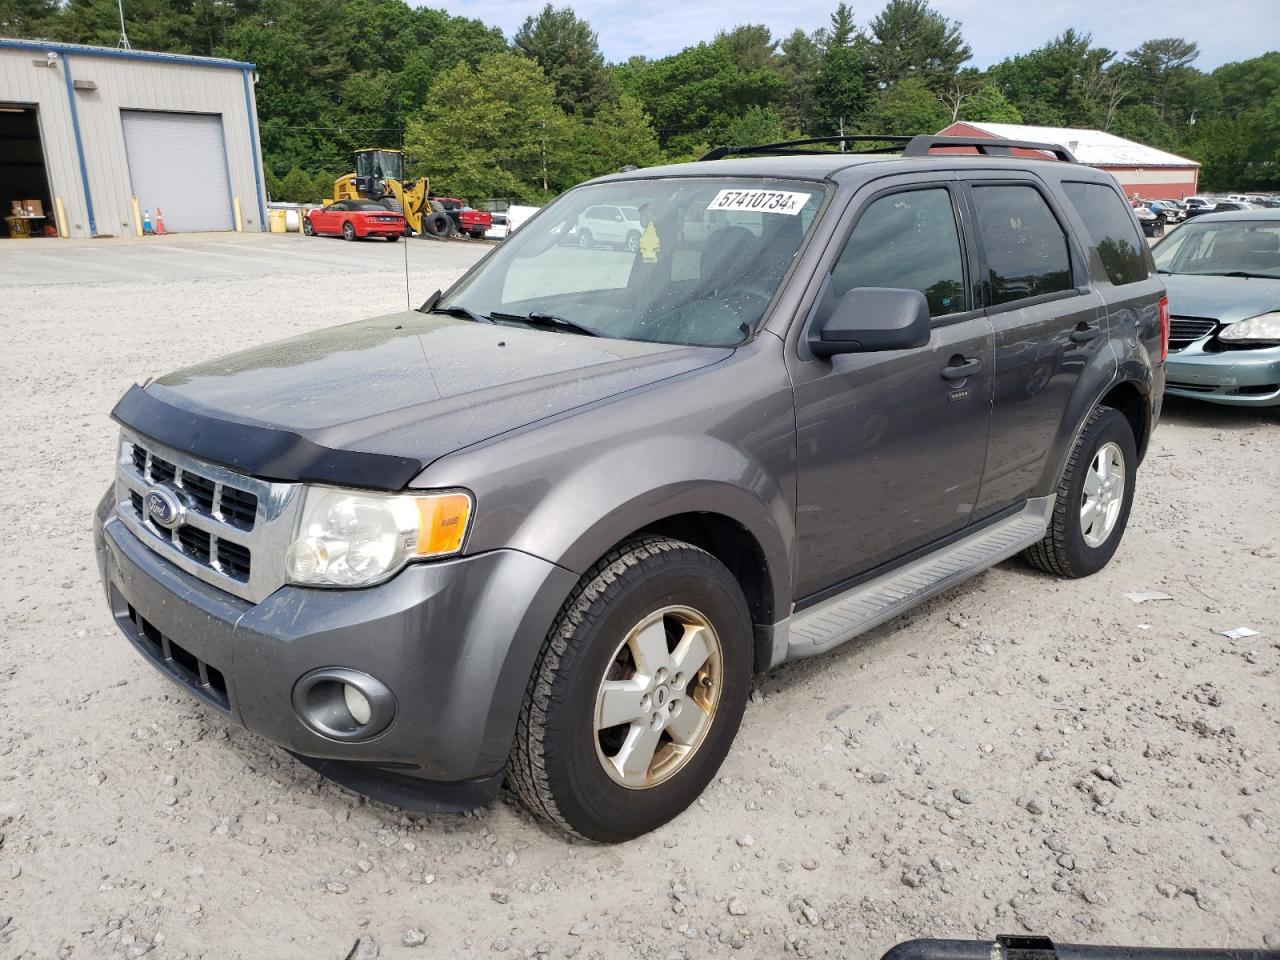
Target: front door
[(892, 445)]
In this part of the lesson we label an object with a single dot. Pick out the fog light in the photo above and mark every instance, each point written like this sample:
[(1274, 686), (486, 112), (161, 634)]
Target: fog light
[(344, 704), (357, 704)]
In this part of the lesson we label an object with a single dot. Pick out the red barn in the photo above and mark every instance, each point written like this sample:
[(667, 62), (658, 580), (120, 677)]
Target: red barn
[(1142, 171)]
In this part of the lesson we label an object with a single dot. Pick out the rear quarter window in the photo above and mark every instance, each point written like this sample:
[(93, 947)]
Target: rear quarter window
[(1111, 230)]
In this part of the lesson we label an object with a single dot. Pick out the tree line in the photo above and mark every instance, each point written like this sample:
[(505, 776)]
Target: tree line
[(526, 117)]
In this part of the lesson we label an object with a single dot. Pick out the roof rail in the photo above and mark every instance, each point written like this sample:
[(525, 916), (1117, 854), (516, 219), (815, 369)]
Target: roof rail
[(787, 147), (918, 146), (987, 146)]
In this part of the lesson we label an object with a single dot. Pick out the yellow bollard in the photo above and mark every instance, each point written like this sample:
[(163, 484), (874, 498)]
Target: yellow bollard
[(239, 221), (276, 217), (62, 218), (137, 217)]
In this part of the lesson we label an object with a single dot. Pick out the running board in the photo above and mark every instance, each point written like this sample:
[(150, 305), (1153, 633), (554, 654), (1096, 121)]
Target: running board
[(843, 617)]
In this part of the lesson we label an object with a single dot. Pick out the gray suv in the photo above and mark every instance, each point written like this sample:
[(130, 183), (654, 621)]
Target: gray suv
[(547, 527)]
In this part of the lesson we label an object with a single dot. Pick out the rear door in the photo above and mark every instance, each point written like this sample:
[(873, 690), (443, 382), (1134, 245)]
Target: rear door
[(1045, 316), (891, 445)]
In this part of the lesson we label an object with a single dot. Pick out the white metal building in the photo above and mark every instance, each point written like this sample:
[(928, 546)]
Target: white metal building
[(100, 137)]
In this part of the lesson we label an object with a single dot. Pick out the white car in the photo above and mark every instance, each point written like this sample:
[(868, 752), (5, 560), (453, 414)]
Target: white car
[(614, 226)]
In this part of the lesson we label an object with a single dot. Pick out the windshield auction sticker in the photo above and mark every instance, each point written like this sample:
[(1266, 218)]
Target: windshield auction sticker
[(760, 201)]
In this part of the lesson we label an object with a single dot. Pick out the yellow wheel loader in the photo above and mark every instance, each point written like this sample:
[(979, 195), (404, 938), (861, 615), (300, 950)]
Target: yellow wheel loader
[(380, 176)]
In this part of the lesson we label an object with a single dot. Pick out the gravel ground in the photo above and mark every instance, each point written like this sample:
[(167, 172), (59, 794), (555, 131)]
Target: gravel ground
[(1022, 754)]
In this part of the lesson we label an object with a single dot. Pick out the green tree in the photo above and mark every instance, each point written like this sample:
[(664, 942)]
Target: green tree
[(908, 38), (751, 46), (987, 104), (1048, 85), (908, 107), (843, 33), (297, 186), (693, 95), (619, 135), (840, 95), (569, 53), (494, 130), (801, 58), (27, 18), (1162, 64), (1141, 122), (757, 125)]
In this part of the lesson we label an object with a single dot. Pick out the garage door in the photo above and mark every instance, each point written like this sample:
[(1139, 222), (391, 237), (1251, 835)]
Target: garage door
[(178, 163)]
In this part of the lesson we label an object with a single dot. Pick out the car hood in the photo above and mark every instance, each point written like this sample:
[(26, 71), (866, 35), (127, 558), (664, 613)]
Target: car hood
[(409, 386), (1225, 299)]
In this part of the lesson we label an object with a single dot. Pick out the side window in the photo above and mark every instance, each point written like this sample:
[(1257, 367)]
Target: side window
[(1111, 229), (1025, 246), (907, 240), (591, 213), (338, 207)]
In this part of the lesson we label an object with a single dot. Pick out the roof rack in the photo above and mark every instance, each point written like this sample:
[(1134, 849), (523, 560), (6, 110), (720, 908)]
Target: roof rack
[(918, 146)]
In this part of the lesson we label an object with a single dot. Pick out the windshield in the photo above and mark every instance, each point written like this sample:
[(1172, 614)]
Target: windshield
[(1231, 246), (698, 264)]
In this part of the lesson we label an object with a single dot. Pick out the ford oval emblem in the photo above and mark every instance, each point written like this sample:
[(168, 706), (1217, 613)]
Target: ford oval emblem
[(163, 507)]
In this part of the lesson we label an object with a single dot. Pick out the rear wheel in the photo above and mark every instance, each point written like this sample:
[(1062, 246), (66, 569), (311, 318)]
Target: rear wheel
[(1095, 495), (348, 231), (393, 237), (476, 234), (637, 694), (307, 228)]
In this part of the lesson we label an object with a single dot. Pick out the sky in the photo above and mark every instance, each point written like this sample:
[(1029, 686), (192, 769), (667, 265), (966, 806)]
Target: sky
[(1226, 30)]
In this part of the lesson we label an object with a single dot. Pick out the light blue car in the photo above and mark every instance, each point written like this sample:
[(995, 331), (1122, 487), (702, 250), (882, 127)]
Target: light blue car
[(1222, 272)]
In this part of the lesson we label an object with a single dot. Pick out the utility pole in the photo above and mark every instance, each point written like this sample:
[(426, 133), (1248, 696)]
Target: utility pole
[(544, 156), (123, 42), (842, 134)]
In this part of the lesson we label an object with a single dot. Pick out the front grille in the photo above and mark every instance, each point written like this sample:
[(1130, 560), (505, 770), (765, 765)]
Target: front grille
[(203, 679), (228, 522), (1184, 331)]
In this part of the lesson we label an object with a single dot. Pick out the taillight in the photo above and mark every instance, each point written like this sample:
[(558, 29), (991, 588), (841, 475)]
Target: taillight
[(1164, 329)]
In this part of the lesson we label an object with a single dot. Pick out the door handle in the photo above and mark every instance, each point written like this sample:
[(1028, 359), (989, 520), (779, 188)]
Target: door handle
[(1084, 333), (959, 368)]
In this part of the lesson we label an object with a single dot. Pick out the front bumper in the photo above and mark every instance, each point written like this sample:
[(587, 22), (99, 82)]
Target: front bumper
[(455, 642), (1240, 377)]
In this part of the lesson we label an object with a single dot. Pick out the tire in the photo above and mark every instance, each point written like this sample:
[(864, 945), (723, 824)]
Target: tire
[(476, 234), (348, 231), (392, 204), (307, 228), (1070, 548), (565, 769), (437, 224), (633, 242), (584, 239), (393, 237), (1159, 230)]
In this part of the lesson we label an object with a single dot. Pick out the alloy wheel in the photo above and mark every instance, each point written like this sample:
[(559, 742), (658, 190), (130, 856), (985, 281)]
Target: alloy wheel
[(1103, 495), (658, 697)]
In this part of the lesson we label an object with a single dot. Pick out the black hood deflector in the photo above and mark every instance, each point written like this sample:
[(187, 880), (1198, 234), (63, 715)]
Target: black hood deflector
[(265, 452)]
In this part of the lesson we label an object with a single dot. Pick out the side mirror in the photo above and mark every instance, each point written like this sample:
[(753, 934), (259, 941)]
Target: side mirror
[(871, 319)]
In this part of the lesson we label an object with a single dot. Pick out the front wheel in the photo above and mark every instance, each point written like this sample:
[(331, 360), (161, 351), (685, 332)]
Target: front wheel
[(633, 242), (637, 693), (584, 239), (307, 228), (1095, 495), (348, 231)]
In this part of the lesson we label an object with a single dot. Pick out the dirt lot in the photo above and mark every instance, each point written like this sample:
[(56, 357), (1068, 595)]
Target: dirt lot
[(1023, 754)]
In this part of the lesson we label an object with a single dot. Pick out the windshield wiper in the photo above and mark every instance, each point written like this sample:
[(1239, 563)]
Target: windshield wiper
[(1241, 273), (466, 313), (546, 321)]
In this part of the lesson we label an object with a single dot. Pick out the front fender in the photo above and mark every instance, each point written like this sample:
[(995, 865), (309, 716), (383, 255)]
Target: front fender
[(720, 441)]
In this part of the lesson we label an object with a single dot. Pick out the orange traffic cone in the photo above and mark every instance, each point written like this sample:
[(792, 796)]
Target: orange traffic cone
[(159, 223)]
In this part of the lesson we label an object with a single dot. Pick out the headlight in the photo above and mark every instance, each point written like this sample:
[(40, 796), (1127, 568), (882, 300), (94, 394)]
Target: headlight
[(350, 538), (1263, 328)]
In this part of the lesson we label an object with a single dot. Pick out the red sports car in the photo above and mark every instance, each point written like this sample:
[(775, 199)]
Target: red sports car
[(353, 219)]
